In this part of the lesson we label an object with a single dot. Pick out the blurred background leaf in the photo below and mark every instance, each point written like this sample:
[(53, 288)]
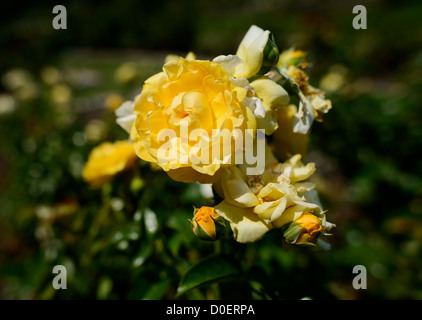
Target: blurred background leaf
[(209, 270)]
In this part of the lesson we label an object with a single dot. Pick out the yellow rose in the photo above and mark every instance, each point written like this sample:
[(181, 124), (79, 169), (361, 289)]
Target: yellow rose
[(255, 204), (183, 114), (306, 229), (107, 160), (207, 224), (311, 227)]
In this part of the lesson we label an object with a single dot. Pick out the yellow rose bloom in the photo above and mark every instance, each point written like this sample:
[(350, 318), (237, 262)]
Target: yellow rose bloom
[(107, 160), (188, 97), (255, 204)]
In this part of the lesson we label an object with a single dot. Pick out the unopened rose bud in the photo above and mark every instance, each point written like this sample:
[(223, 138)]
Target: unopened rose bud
[(271, 55), (304, 230), (207, 224)]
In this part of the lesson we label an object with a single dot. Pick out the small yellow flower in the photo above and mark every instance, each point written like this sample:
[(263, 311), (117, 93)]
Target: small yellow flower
[(304, 230), (107, 160), (207, 224)]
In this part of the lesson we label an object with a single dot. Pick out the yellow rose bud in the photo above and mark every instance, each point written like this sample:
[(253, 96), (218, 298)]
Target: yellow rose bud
[(207, 224), (311, 227), (303, 230), (107, 160)]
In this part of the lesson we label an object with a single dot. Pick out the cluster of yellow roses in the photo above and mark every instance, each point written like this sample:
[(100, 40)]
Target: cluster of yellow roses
[(245, 93)]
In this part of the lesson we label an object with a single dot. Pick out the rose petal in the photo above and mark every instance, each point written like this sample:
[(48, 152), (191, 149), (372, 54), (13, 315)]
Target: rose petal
[(246, 225)]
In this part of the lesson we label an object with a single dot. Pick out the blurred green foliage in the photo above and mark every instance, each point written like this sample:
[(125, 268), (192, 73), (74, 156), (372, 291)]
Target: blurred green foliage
[(131, 239)]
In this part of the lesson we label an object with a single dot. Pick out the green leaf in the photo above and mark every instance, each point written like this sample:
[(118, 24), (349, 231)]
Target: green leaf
[(157, 291), (210, 270), (104, 287)]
